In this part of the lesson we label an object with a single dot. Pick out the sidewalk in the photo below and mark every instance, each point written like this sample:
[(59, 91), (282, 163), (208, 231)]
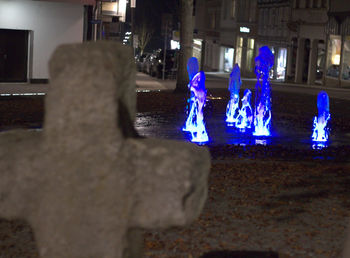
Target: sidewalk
[(144, 82), (223, 75), (17, 89)]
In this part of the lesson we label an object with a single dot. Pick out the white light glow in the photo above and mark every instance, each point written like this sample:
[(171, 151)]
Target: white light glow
[(244, 29), (336, 59), (22, 94), (122, 10), (197, 42), (174, 44)]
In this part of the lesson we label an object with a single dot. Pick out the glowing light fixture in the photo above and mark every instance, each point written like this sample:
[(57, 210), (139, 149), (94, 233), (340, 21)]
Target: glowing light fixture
[(244, 29), (122, 10), (320, 131), (262, 115), (245, 115), (195, 120), (174, 44), (232, 107), (336, 59)]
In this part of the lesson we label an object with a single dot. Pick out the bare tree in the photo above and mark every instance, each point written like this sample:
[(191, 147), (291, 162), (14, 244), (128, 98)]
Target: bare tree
[(144, 32), (186, 38)]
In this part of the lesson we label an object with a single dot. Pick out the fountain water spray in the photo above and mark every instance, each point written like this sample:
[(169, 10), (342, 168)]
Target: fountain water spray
[(245, 115), (262, 117), (233, 104), (321, 131), (195, 120)]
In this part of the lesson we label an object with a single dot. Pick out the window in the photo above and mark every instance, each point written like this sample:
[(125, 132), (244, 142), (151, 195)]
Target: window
[(346, 59), (212, 20), (239, 51), (250, 55), (224, 10), (233, 9), (333, 56), (252, 14)]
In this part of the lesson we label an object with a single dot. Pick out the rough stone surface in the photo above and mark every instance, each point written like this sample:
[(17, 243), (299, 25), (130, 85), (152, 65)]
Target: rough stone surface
[(346, 252), (86, 183)]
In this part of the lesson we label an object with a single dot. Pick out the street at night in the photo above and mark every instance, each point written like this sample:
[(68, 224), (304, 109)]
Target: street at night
[(175, 129)]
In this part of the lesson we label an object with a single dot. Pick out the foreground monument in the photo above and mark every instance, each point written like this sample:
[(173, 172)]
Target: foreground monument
[(85, 183)]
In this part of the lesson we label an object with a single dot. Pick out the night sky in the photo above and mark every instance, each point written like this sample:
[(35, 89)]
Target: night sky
[(150, 11)]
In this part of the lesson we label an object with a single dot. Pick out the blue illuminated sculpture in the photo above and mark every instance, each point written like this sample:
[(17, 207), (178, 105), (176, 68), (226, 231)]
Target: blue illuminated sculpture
[(232, 107), (195, 120), (262, 114), (244, 119), (321, 131)]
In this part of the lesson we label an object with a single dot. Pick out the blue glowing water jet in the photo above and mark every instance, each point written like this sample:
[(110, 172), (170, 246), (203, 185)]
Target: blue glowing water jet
[(262, 114), (195, 120), (245, 115), (232, 107), (321, 130)]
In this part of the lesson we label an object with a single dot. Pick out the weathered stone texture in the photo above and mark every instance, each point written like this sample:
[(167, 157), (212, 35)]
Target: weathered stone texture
[(84, 182)]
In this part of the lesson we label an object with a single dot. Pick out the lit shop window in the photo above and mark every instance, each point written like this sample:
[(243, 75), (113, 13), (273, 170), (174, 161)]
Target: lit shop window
[(250, 54), (333, 55), (239, 51), (346, 59), (233, 9), (281, 63)]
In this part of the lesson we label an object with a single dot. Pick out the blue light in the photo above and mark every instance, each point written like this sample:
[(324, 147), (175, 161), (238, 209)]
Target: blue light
[(320, 133), (245, 115), (195, 120), (262, 117), (232, 107)]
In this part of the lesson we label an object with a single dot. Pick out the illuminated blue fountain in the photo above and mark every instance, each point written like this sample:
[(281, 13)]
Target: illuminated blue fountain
[(232, 107), (320, 132), (195, 120), (244, 119), (262, 114)]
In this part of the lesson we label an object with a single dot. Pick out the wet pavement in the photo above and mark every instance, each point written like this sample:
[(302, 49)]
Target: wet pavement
[(168, 126)]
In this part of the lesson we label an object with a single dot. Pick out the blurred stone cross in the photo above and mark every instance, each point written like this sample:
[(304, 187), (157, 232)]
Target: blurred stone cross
[(85, 181)]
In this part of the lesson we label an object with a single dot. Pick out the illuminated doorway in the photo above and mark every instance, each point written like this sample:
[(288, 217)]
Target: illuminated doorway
[(228, 59), (281, 64)]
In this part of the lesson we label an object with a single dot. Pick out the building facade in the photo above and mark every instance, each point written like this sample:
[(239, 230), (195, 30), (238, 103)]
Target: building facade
[(228, 31), (337, 65), (274, 17), (207, 36), (29, 33), (307, 37)]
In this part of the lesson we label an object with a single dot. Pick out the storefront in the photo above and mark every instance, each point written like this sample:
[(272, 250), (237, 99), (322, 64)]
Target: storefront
[(245, 51), (337, 67), (197, 50), (338, 61), (279, 71), (227, 58)]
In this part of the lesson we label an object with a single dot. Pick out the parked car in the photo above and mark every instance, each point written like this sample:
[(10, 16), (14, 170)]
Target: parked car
[(141, 62), (170, 63)]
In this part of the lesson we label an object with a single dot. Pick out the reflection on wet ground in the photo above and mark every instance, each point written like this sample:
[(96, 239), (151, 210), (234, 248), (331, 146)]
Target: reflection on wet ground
[(168, 126)]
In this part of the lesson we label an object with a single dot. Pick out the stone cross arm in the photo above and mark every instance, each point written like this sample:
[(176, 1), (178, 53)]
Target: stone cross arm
[(85, 181)]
